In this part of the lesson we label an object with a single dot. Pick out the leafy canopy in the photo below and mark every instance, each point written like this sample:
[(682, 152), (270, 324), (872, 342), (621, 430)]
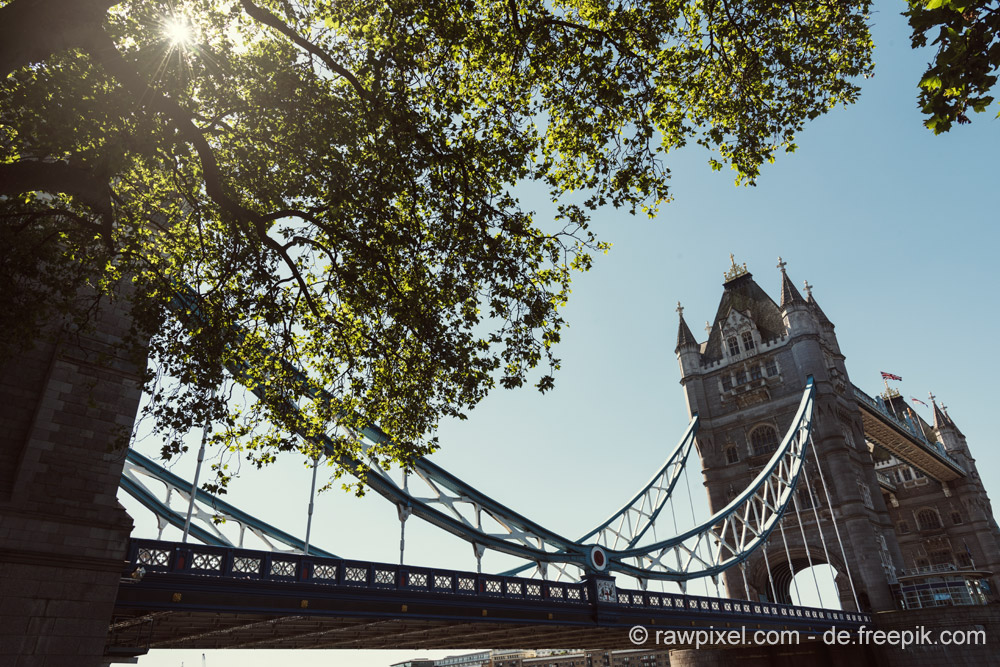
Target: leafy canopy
[(337, 180), (964, 69)]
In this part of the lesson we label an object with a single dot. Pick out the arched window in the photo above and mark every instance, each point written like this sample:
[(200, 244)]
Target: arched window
[(732, 455), (734, 346), (763, 439), (748, 343), (928, 519), (848, 437)]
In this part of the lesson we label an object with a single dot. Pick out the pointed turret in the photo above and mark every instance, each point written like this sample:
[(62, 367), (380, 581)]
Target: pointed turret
[(940, 420), (688, 351), (789, 294), (794, 309), (684, 335), (951, 422), (817, 311)]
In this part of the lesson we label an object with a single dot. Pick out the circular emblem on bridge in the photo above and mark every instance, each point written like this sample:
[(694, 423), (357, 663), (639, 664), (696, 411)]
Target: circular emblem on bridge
[(598, 558)]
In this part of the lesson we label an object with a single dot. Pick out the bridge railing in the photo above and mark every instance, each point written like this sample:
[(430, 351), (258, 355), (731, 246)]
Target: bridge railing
[(907, 425), (233, 563), (157, 556), (697, 604)]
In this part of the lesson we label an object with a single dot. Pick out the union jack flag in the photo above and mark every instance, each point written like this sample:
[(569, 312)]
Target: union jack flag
[(890, 376)]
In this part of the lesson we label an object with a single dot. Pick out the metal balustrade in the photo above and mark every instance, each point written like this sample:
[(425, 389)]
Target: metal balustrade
[(155, 556)]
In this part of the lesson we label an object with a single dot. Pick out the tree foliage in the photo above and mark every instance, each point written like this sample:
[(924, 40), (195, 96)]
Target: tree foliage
[(338, 180), (964, 69)]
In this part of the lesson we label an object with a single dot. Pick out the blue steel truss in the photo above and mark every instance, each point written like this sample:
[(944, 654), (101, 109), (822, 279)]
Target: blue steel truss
[(208, 509), (722, 541)]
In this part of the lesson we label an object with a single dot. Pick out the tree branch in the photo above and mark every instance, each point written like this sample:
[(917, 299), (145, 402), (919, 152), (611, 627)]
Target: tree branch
[(31, 31), (101, 47), (270, 20), (58, 177)]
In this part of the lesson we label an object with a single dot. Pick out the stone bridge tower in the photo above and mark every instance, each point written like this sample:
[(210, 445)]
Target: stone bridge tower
[(745, 382), (65, 405)]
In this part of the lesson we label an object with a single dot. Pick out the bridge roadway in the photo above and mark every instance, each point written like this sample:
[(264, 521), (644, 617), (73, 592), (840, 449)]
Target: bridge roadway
[(194, 596)]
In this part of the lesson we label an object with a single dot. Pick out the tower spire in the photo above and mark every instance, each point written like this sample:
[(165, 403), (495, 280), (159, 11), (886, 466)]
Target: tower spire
[(940, 419), (684, 335), (788, 292)]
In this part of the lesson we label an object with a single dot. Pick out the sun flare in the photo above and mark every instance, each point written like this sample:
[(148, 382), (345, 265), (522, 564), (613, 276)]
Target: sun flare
[(177, 31)]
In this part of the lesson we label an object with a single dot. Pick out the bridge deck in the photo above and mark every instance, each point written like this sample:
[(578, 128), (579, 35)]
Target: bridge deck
[(210, 597)]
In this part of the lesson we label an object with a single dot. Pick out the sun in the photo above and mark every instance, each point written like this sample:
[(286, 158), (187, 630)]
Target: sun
[(178, 31)]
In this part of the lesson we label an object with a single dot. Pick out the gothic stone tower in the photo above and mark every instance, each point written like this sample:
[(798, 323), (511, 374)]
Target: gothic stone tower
[(940, 525), (745, 382)]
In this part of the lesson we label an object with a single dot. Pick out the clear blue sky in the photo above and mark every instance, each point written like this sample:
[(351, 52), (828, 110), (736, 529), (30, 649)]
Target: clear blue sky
[(895, 228)]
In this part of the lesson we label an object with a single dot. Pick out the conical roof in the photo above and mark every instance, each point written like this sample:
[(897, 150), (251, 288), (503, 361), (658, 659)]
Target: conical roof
[(684, 335)]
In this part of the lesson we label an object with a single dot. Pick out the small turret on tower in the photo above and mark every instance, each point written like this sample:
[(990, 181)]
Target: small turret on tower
[(794, 310), (688, 352), (946, 430), (825, 325)]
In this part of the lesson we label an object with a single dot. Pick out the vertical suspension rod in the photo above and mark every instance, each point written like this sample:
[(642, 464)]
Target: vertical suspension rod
[(197, 471), (805, 543), (788, 555), (694, 521), (836, 530), (312, 495), (812, 500)]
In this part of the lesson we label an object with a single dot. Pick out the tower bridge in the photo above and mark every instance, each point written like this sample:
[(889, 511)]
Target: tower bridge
[(801, 467)]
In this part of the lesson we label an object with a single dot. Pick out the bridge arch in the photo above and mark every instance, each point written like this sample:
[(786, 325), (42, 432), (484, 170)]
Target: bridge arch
[(778, 584)]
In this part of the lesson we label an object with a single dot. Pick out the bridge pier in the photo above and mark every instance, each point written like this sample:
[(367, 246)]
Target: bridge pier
[(67, 406)]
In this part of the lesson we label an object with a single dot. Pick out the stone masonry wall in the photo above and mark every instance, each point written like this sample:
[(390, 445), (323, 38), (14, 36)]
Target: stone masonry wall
[(65, 405)]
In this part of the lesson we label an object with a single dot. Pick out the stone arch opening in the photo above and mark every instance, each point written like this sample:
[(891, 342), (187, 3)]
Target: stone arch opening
[(795, 584)]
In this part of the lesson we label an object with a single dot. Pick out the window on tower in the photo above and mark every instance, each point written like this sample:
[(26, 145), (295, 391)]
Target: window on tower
[(755, 373), (928, 519), (732, 455), (748, 343), (741, 376), (772, 367), (763, 440), (727, 382), (866, 494), (734, 346)]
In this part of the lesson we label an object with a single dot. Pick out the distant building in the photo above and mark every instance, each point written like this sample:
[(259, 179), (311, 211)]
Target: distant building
[(550, 658)]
